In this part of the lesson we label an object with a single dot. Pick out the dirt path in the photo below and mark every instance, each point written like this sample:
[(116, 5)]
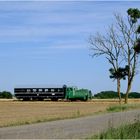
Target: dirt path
[(68, 129)]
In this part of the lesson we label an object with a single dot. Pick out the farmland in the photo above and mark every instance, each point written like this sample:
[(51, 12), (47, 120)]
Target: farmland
[(18, 112)]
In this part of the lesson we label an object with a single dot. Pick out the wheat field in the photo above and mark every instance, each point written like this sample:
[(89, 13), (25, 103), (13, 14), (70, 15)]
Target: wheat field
[(19, 112)]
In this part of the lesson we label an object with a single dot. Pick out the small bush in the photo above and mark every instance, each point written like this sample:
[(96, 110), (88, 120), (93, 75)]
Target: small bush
[(6, 95)]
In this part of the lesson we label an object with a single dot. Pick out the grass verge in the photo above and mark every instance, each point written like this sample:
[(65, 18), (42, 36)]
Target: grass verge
[(129, 131), (122, 107)]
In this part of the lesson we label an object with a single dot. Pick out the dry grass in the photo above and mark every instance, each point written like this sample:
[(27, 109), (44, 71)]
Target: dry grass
[(136, 100), (18, 112)]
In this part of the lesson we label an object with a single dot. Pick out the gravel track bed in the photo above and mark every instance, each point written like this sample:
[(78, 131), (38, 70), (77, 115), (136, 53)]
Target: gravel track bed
[(69, 129)]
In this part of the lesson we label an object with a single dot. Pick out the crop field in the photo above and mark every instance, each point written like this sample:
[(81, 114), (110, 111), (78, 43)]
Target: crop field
[(19, 112)]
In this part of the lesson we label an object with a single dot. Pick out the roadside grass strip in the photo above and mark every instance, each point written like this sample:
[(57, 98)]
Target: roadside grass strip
[(122, 107), (129, 131)]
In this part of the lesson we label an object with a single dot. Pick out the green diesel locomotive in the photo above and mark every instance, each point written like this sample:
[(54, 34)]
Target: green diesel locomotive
[(53, 93)]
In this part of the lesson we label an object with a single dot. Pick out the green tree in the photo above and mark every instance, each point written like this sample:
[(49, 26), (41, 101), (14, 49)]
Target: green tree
[(130, 37), (137, 46), (6, 95), (119, 74), (134, 95), (107, 95), (119, 46)]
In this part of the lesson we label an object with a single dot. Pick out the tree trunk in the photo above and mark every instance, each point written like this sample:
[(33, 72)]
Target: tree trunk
[(118, 89), (127, 91)]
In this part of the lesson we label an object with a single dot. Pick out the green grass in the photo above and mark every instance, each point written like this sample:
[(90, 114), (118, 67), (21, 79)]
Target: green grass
[(131, 131), (122, 107)]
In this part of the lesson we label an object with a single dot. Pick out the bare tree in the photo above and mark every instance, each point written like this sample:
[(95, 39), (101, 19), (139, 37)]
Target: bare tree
[(108, 45), (119, 45)]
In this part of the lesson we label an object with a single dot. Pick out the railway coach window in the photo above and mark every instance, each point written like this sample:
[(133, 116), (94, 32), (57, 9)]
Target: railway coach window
[(52, 90), (40, 90), (46, 90), (34, 90), (28, 90)]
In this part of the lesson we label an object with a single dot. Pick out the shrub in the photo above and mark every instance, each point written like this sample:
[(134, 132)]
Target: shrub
[(6, 95)]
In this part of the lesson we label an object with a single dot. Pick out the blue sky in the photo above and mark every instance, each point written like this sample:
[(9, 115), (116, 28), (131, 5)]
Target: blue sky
[(43, 43)]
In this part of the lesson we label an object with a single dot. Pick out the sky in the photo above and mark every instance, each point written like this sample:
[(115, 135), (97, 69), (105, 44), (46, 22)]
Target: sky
[(46, 43)]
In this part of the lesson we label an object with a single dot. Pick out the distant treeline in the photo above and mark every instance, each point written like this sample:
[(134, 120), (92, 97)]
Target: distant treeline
[(6, 95), (113, 94)]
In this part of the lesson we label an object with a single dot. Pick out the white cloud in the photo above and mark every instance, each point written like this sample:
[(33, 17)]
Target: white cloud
[(41, 21), (39, 34)]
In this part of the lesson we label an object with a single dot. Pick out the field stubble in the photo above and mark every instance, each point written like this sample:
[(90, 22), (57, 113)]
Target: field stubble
[(18, 112)]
